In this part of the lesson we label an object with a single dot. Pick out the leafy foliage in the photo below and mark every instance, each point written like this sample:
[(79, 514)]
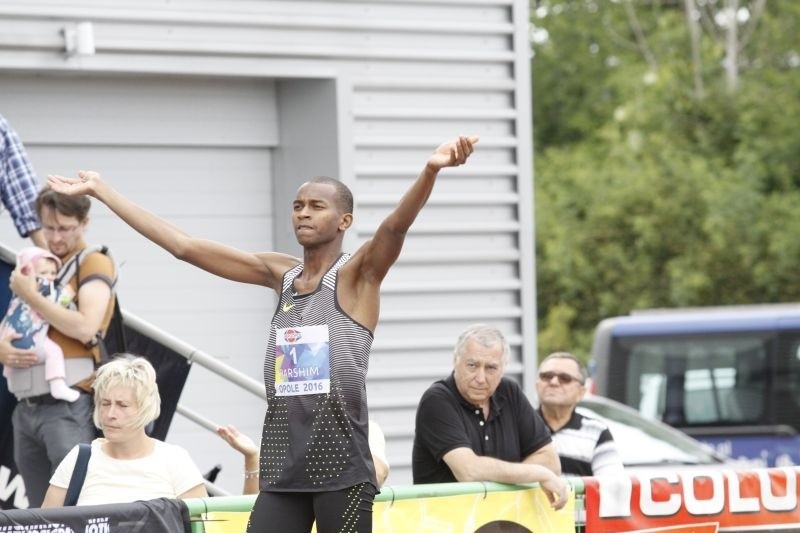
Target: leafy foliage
[(648, 193)]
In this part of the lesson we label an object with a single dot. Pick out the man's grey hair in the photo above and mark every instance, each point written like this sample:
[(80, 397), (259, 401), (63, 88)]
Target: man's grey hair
[(566, 355), (486, 336)]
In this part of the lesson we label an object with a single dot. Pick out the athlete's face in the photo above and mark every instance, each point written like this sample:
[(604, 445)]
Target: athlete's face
[(316, 217)]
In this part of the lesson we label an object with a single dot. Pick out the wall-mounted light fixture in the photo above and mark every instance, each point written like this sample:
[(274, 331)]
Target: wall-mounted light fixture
[(79, 39)]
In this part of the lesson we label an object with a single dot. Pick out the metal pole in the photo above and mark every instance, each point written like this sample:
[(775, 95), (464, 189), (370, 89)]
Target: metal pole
[(193, 355)]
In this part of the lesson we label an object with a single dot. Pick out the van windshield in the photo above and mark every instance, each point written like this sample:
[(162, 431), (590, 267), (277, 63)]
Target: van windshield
[(693, 380)]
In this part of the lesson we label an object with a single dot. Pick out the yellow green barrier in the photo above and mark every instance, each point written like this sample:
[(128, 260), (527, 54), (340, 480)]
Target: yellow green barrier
[(415, 507)]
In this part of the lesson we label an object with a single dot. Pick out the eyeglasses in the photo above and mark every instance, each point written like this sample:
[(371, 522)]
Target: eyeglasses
[(61, 230), (563, 377)]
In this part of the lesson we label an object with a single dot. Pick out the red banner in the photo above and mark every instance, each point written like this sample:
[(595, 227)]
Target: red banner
[(758, 499)]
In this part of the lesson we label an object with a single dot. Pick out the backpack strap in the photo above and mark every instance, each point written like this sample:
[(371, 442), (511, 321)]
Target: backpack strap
[(115, 329), (72, 269), (78, 474)]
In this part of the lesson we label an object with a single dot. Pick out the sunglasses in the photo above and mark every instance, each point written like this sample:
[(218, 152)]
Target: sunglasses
[(563, 377)]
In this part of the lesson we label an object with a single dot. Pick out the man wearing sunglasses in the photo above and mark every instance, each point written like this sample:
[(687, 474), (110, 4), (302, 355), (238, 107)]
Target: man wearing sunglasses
[(584, 444), (477, 425)]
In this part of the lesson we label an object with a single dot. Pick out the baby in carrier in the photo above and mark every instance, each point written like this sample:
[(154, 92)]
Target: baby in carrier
[(25, 321)]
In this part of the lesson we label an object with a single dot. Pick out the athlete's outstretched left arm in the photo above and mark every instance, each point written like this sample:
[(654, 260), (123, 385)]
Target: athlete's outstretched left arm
[(378, 254)]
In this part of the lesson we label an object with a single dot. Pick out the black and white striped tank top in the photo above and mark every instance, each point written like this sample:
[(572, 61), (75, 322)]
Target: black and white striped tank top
[(315, 429)]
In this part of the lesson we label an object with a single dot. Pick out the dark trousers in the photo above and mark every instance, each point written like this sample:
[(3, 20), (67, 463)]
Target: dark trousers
[(343, 510), (43, 434)]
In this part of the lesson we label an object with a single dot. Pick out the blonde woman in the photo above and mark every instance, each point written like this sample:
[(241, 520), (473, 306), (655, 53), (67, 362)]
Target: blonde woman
[(127, 465)]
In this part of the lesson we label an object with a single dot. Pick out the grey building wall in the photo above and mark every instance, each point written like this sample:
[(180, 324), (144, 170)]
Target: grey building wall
[(212, 113)]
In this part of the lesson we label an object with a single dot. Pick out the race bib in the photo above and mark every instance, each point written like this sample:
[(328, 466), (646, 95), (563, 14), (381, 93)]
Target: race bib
[(302, 361)]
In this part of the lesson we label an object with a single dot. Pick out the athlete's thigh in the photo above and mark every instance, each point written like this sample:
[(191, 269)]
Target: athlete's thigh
[(347, 510), (288, 512)]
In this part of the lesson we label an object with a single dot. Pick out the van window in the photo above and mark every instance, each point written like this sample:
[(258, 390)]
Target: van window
[(695, 381)]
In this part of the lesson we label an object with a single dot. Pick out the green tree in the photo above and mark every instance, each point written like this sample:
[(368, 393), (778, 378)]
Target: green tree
[(659, 183)]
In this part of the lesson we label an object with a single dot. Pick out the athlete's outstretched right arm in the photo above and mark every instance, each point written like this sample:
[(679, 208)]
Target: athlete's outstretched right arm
[(225, 261)]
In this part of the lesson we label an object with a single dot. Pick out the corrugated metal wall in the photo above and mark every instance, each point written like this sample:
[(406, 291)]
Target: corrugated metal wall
[(407, 75)]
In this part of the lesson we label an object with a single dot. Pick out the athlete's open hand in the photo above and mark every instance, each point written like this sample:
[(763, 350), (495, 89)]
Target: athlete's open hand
[(453, 153), (86, 183)]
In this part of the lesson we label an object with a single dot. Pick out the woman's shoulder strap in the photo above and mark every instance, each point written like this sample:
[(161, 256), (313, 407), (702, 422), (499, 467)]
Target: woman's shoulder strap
[(78, 474)]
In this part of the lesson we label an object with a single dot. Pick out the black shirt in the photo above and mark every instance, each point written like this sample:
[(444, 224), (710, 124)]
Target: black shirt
[(446, 421)]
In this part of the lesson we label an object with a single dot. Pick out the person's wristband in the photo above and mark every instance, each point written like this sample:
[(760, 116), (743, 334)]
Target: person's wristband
[(250, 474)]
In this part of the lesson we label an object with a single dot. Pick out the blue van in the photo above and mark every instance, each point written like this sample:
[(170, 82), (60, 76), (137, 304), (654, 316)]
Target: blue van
[(728, 376)]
